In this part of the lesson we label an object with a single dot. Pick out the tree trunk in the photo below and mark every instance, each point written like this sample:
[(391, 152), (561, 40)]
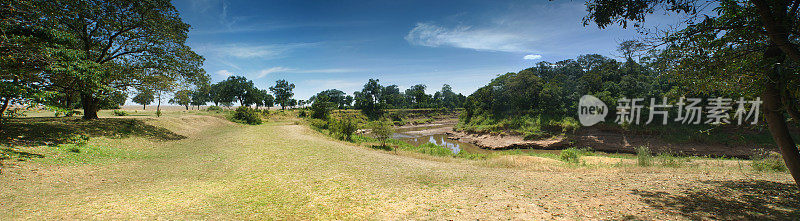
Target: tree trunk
[(90, 108), (3, 109), (187, 107), (144, 106), (780, 131)]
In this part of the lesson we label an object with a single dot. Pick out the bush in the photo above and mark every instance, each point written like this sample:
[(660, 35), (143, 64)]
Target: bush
[(321, 109), (246, 115), (644, 157), (318, 124), (570, 155), (382, 130), (302, 114), (214, 108), (344, 127), (432, 149), (767, 161), (158, 113), (120, 113)]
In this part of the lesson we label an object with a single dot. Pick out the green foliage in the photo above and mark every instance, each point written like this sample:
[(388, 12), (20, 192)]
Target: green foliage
[(382, 130), (144, 97), (214, 108), (247, 115), (76, 52), (431, 149), (321, 109), (120, 113), (158, 113), (283, 93), (767, 161), (318, 124), (570, 155), (644, 156), (343, 127)]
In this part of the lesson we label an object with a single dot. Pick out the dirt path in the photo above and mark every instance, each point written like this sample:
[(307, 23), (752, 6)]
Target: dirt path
[(286, 171)]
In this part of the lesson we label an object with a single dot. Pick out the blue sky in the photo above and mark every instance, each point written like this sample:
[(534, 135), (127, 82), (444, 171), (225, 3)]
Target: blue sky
[(319, 45)]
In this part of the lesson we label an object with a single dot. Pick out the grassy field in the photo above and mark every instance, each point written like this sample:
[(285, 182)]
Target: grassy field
[(197, 165)]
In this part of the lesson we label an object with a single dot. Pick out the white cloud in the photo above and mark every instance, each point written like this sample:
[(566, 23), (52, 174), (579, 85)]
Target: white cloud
[(484, 39), (267, 71), (224, 73), (532, 57), (244, 51)]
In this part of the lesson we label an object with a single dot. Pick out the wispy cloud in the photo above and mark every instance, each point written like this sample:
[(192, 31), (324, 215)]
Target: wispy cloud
[(532, 57), (244, 51), (486, 39), (224, 73), (265, 72)]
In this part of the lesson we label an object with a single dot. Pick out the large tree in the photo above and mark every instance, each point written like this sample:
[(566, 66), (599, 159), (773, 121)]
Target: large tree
[(283, 93), (746, 47), (110, 46), (369, 99)]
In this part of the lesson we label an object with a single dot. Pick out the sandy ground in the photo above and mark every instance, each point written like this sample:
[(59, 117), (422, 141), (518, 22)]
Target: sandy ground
[(280, 170)]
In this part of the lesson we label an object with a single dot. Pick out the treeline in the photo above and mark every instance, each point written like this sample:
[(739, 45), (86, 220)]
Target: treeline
[(553, 89), (374, 98), (227, 92)]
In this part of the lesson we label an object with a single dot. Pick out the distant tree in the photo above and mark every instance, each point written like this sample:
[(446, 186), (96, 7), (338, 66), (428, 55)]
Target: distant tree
[(418, 96), (369, 99), (392, 97), (269, 100), (292, 103), (256, 97), (144, 98), (183, 98), (237, 88), (283, 92), (201, 95)]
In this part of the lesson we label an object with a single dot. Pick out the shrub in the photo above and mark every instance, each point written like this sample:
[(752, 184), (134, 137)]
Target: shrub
[(767, 161), (321, 109), (344, 127), (570, 155), (158, 113), (302, 114), (246, 115), (120, 113), (382, 130), (643, 156), (318, 124), (214, 108), (432, 149)]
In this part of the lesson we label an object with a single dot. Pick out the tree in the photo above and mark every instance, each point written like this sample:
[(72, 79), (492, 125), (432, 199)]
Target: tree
[(369, 99), (747, 47), (382, 129), (255, 97), (337, 97), (418, 97), (201, 95), (283, 93), (144, 98), (114, 45), (183, 98), (269, 100)]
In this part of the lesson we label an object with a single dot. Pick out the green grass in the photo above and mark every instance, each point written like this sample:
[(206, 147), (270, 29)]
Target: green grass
[(529, 126)]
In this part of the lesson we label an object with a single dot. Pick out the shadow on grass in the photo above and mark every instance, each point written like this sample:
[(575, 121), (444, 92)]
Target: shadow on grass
[(731, 200), (54, 131)]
